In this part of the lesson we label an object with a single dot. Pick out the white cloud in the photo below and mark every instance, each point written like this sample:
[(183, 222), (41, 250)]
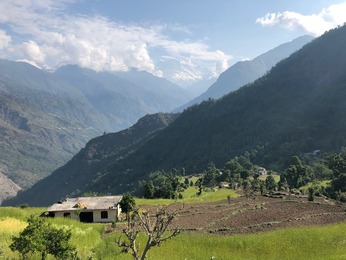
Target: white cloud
[(34, 52), (30, 62), (51, 38), (315, 24), (5, 40)]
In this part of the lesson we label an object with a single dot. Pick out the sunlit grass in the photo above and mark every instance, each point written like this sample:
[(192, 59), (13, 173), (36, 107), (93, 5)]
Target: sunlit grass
[(328, 242), (190, 196), (323, 184), (11, 225), (19, 213), (91, 241), (264, 177)]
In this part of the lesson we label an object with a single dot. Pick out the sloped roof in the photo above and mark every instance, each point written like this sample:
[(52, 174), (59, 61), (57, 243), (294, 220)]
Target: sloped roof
[(91, 203)]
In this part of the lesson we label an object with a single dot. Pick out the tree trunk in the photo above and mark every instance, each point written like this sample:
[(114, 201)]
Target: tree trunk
[(146, 249)]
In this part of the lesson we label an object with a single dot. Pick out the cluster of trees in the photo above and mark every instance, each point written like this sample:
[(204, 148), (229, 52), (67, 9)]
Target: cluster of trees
[(163, 185), (337, 164), (240, 172)]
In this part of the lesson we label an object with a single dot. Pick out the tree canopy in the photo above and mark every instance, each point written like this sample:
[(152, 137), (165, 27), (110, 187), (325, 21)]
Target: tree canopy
[(40, 236)]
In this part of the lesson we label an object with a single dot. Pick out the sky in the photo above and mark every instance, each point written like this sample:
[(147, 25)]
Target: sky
[(184, 41)]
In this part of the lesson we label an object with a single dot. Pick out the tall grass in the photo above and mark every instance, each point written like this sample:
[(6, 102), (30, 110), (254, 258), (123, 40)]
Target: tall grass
[(91, 241), (328, 242), (19, 213)]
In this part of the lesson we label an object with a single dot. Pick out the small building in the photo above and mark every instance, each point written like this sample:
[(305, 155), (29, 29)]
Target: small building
[(262, 171), (103, 209)]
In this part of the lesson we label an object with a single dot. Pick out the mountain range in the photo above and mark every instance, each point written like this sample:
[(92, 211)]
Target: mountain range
[(296, 108), (244, 72), (46, 118)]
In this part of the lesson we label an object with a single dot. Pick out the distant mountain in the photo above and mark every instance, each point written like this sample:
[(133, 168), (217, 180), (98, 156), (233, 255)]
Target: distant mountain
[(126, 95), (43, 122), (87, 166), (7, 188), (245, 72), (296, 108), (161, 89), (45, 118), (199, 87)]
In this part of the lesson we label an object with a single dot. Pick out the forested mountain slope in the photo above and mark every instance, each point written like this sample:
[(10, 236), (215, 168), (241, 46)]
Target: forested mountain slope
[(244, 72), (298, 107)]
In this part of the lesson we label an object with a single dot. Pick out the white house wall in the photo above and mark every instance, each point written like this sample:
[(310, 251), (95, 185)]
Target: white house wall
[(60, 214), (112, 215)]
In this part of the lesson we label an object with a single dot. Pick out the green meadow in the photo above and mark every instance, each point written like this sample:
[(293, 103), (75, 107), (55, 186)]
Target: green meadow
[(189, 196), (94, 242)]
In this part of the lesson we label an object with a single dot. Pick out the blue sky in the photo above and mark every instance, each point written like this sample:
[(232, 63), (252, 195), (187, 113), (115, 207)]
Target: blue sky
[(182, 40)]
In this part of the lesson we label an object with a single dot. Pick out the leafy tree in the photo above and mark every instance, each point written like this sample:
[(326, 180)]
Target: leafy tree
[(210, 177), (244, 174), (127, 204), (270, 183), (234, 167), (311, 194), (166, 191), (321, 171), (225, 175), (339, 183), (283, 185), (297, 174), (337, 162), (262, 187), (163, 185), (246, 187), (149, 189), (40, 236), (255, 183)]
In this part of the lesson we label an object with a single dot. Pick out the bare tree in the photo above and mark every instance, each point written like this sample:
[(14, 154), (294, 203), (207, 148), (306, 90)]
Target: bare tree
[(155, 227)]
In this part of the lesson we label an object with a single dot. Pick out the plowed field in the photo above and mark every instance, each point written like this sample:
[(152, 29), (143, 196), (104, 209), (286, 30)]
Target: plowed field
[(255, 214)]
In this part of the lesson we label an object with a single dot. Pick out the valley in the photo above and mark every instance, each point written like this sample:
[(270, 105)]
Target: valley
[(177, 130)]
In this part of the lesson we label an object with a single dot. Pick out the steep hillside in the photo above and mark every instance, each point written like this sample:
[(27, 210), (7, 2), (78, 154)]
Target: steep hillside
[(245, 72), (46, 118), (86, 168), (34, 142), (7, 187), (296, 108)]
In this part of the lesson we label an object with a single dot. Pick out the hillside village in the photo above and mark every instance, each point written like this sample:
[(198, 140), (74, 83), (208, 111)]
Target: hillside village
[(116, 160)]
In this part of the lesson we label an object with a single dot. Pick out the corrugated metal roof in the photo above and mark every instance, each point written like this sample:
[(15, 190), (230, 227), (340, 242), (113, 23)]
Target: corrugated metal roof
[(92, 203)]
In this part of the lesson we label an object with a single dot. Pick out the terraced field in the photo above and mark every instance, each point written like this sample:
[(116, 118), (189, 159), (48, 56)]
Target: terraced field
[(255, 214)]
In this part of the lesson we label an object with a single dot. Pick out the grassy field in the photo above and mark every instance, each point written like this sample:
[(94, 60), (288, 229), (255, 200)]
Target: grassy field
[(189, 196), (93, 242), (328, 242)]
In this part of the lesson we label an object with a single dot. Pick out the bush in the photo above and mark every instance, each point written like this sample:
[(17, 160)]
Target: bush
[(40, 236)]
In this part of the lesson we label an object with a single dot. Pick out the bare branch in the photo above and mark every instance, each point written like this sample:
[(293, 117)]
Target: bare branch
[(155, 226)]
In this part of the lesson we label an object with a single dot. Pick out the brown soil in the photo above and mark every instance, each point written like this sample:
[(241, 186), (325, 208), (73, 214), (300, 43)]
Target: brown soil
[(255, 214)]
